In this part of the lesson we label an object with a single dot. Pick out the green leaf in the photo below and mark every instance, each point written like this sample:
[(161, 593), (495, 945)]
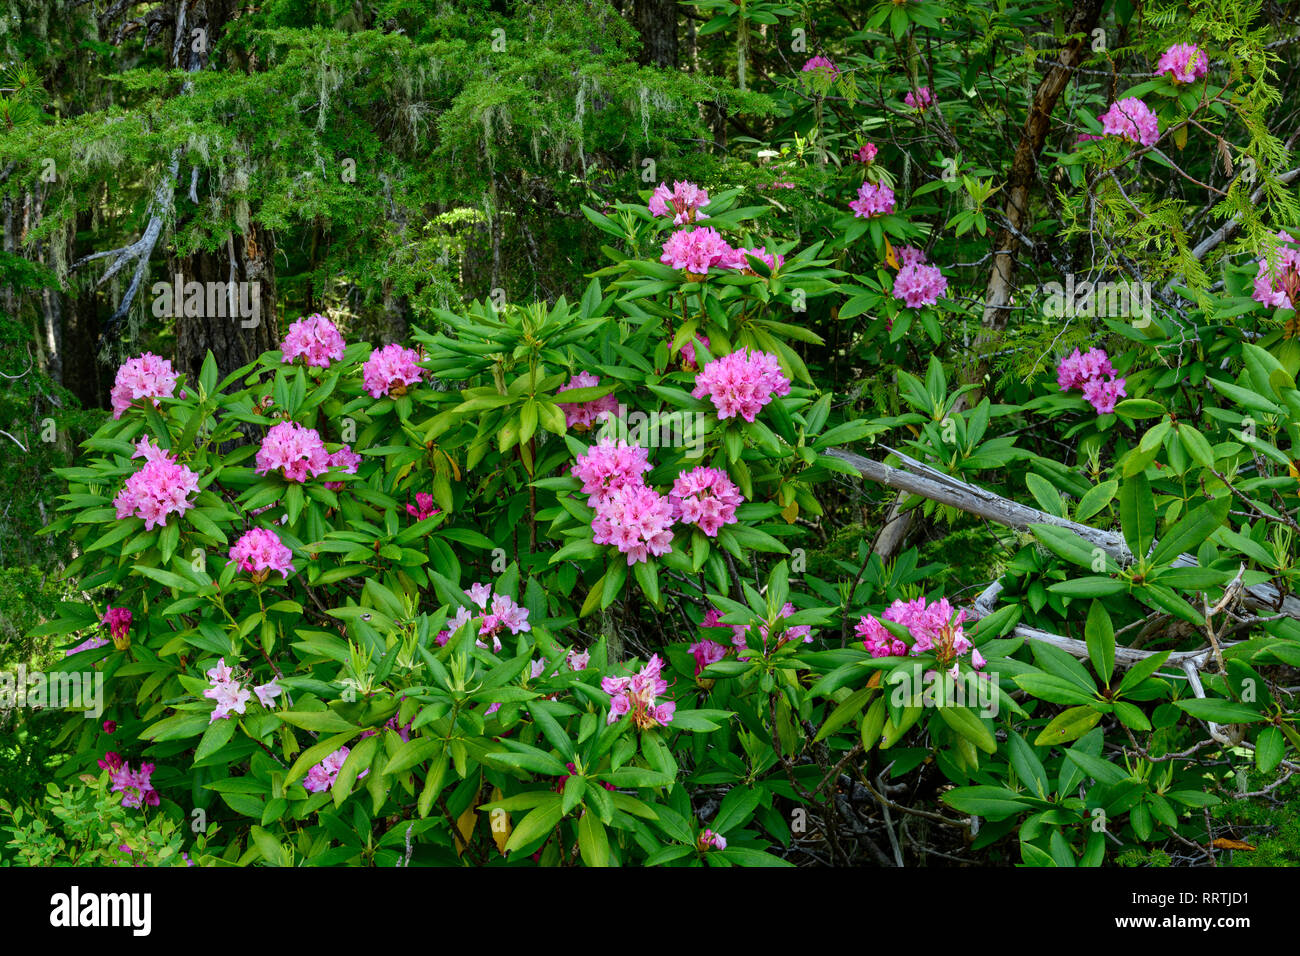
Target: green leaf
[(1218, 710), (1068, 725), (967, 723), (1137, 514), (1100, 635), (593, 841)]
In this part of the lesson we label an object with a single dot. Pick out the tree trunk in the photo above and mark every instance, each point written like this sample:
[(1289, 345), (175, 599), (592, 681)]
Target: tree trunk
[(234, 339), (1024, 169), (656, 21)]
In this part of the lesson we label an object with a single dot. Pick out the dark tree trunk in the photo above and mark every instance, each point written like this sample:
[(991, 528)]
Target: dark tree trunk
[(234, 339), (656, 21)]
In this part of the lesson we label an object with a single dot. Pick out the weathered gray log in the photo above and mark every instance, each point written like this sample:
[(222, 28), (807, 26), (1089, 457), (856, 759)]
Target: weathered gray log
[(930, 483)]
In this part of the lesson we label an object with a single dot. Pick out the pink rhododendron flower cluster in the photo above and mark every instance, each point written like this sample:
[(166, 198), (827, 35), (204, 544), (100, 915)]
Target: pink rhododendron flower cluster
[(877, 639), (322, 776), (159, 489), (260, 551), (423, 507), (294, 450), (1133, 120), (1184, 62), (688, 351), (147, 376), (390, 370), (706, 652), (706, 497), (607, 466), (1093, 373), (315, 339), (635, 519), (580, 416), (866, 153), (874, 199), (741, 383), (683, 202), (918, 284), (695, 251), (577, 660), (118, 620), (908, 256), (920, 100), (636, 695), (1277, 288), (134, 785), (934, 628), (346, 460), (820, 62)]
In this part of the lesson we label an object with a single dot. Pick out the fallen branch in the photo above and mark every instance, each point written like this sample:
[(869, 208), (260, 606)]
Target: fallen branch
[(930, 483)]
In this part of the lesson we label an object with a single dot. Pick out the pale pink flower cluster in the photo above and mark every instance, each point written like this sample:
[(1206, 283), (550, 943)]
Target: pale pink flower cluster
[(706, 652), (920, 100), (695, 251), (135, 786), (147, 376), (577, 660), (710, 840), (501, 611), (1271, 287), (294, 450), (741, 383), (1131, 119), (229, 693), (1093, 373), (918, 284), (706, 497), (260, 551), (423, 507), (390, 370), (159, 489), (1184, 62), (580, 416), (315, 339), (607, 466), (346, 460), (322, 776), (866, 153), (89, 644), (934, 628), (820, 62), (636, 519), (874, 199), (688, 351), (636, 695), (683, 202)]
